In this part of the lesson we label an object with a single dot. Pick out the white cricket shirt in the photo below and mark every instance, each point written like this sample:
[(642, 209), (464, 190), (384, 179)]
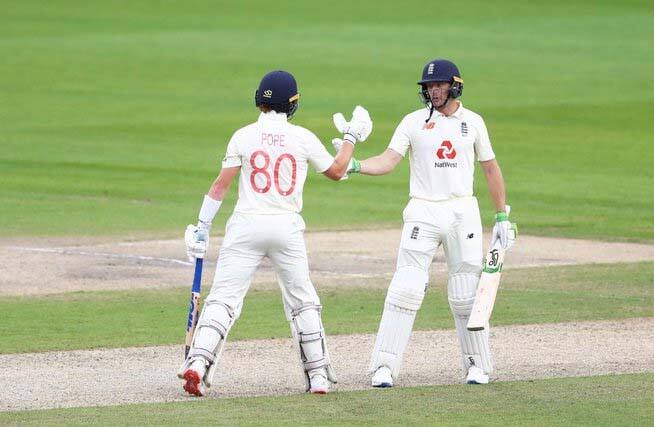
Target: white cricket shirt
[(442, 152), (274, 156)]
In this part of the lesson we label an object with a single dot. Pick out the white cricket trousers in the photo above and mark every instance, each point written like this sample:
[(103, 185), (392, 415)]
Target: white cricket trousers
[(249, 238), (456, 225)]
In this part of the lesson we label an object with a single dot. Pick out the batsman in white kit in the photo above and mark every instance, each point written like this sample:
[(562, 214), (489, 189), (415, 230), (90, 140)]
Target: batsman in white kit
[(443, 142), (272, 156)]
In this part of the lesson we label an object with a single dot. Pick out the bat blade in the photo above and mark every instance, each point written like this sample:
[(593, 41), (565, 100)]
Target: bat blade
[(487, 289), (193, 306)]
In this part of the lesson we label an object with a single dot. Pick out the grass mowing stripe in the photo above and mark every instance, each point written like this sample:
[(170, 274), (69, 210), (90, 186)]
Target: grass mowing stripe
[(595, 401), (103, 106), (157, 317)]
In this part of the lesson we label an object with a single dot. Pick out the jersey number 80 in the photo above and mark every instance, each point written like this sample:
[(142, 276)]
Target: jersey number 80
[(263, 170)]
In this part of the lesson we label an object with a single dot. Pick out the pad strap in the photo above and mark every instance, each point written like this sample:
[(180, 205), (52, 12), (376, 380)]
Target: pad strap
[(308, 330)]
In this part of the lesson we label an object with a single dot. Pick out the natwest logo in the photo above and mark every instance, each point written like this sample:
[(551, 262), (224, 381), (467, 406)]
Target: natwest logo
[(446, 151)]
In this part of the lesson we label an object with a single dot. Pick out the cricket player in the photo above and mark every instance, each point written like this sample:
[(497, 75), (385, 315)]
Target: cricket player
[(443, 142), (272, 157)]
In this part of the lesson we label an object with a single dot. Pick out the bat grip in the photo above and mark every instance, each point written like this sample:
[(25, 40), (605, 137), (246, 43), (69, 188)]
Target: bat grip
[(197, 277), (193, 305)]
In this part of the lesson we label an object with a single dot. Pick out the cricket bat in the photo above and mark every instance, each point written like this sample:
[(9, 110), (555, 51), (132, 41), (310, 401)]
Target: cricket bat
[(487, 289), (193, 306)]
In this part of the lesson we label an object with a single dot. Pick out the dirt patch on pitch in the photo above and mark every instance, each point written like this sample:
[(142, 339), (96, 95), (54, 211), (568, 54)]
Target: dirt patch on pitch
[(271, 367), (347, 258)]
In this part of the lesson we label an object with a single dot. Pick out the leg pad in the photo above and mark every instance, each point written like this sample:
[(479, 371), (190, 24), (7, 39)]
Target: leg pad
[(475, 345), (404, 298)]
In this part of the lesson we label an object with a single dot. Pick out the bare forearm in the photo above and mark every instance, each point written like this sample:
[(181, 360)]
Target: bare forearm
[(342, 159), (381, 164), (218, 190), (496, 185), (339, 168), (221, 185)]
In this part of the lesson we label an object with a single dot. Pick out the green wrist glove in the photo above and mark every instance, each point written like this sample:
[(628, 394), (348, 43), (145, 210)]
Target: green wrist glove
[(354, 166), (501, 216)]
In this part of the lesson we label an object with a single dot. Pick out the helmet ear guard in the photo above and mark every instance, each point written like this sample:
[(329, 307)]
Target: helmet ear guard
[(293, 105), (456, 88)]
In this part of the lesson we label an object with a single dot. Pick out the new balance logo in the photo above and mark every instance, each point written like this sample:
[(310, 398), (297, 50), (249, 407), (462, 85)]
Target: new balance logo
[(464, 129), (414, 232)]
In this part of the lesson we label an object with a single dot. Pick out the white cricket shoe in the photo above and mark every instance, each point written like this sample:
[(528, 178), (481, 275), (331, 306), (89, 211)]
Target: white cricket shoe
[(318, 382), (476, 376), (194, 377), (382, 377)]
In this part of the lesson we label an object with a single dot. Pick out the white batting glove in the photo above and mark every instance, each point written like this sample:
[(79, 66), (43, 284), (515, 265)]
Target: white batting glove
[(356, 130), (337, 143), (197, 240), (504, 231), (340, 122)]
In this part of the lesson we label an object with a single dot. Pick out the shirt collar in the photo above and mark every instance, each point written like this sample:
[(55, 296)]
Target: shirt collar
[(458, 114), (273, 115), (459, 111)]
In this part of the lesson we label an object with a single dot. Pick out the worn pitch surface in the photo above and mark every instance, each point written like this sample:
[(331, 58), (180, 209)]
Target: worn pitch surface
[(271, 367), (335, 258)]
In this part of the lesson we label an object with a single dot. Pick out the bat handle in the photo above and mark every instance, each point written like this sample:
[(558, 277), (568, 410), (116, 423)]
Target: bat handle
[(193, 305), (197, 276)]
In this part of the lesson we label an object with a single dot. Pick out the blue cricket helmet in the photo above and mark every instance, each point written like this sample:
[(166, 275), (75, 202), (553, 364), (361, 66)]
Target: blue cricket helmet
[(278, 91), (441, 70)]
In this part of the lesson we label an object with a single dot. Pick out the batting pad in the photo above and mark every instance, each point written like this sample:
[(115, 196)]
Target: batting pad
[(408, 287), (310, 335), (475, 347), (404, 298), (213, 326), (307, 328)]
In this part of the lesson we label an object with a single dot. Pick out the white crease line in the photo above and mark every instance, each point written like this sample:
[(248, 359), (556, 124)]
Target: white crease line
[(103, 254), (142, 242), (436, 263)]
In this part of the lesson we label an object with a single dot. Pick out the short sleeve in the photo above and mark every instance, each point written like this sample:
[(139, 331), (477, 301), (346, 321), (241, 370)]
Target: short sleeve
[(232, 156), (483, 148), (401, 139), (317, 154)]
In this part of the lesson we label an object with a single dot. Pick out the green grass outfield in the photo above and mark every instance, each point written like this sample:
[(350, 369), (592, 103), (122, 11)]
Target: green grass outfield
[(114, 115), (594, 401), (100, 319)]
